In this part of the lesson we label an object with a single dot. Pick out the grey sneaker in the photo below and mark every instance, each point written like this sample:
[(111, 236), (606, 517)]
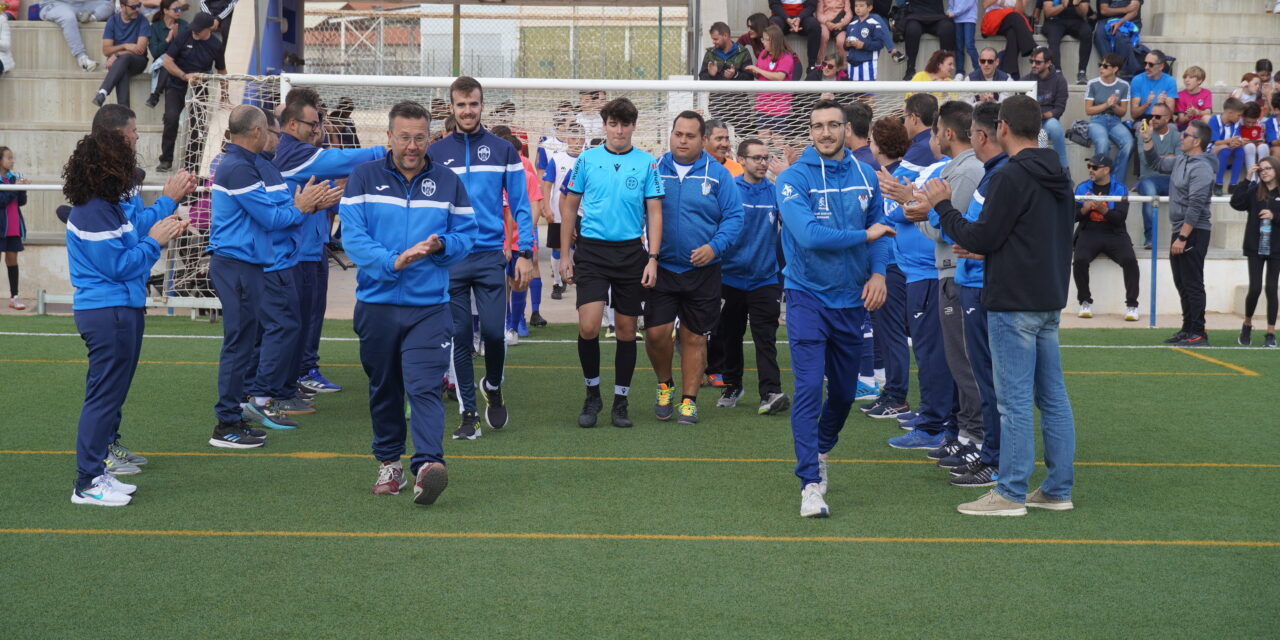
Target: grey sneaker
[(729, 398), (294, 406), (1038, 500), (774, 403), (121, 451), (267, 415), (993, 504), (117, 465)]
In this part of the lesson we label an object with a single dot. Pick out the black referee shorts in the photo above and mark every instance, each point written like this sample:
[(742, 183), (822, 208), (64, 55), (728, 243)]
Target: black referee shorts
[(692, 296), (599, 265), (553, 235)]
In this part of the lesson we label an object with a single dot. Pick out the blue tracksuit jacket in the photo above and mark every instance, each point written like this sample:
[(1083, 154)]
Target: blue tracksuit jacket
[(109, 255), (703, 208), (250, 200), (913, 251), (299, 162), (488, 165), (969, 273), (383, 215), (752, 261), (826, 208)]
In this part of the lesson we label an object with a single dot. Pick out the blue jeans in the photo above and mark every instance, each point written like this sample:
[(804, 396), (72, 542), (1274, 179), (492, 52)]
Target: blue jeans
[(1150, 186), (1053, 128), (1028, 366), (965, 44), (1104, 131)]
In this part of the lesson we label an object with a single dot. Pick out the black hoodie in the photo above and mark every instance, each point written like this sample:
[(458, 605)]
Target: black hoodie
[(1024, 231)]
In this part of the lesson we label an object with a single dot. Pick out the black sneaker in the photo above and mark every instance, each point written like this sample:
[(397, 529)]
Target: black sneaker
[(871, 406), (983, 477), (248, 429), (495, 413), (962, 457), (590, 407), (153, 100), (619, 413), (1176, 338), (965, 468), (229, 435), (945, 450), (164, 166), (1195, 340), (536, 320), (1270, 341), (1246, 335), (1082, 77), (468, 430), (557, 291), (99, 98)]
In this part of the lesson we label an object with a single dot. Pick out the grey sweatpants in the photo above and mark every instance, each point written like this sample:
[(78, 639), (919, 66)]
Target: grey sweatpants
[(951, 314), (63, 13)]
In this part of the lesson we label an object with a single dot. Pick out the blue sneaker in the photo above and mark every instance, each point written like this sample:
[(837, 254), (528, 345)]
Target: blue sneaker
[(267, 415), (867, 391), (315, 382), (917, 439), (522, 328), (913, 422)]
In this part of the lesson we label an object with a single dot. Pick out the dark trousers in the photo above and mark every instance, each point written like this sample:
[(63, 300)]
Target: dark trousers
[(1188, 277), (175, 100), (1105, 43), (978, 345), (811, 29), (762, 308), (1256, 264), (277, 350), (122, 70), (1055, 30), (313, 297), (937, 388), (914, 28), (825, 344), (405, 350), (1017, 42), (483, 275), (1118, 247), (968, 413), (890, 323), (113, 336), (239, 288)]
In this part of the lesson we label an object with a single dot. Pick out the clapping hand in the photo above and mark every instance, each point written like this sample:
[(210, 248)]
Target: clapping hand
[(167, 229), (918, 209), (937, 191), (418, 252), (179, 185), (890, 187)]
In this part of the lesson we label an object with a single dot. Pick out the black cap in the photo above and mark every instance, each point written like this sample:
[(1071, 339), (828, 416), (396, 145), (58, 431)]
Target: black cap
[(1100, 159), (201, 22)]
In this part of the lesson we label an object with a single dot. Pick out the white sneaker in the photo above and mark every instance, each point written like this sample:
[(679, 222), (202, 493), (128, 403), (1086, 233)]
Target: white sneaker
[(513, 338), (1086, 310), (822, 473), (1131, 314), (811, 503), (100, 493), (16, 302), (120, 486), (87, 63), (86, 17)]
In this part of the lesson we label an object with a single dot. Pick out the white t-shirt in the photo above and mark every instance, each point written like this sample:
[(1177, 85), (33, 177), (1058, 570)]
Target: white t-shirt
[(559, 166)]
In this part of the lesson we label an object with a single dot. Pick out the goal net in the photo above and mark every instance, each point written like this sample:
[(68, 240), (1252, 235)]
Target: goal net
[(541, 112)]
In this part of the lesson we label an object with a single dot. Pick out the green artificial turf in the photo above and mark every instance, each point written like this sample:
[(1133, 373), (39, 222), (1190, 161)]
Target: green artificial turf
[(682, 531)]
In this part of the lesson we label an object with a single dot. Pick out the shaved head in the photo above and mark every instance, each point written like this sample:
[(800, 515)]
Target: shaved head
[(244, 119)]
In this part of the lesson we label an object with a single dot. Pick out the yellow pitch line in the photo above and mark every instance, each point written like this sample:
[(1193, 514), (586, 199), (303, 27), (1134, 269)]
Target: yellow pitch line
[(323, 455), (642, 537), (1241, 370)]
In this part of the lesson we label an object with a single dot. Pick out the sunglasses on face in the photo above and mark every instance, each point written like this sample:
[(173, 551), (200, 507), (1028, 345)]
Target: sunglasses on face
[(1151, 64), (132, 6), (986, 61), (1105, 66), (1094, 167), (1037, 61), (1188, 134)]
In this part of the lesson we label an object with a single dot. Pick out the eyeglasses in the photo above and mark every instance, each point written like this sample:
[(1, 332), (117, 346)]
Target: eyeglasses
[(406, 139), (1188, 134), (986, 60), (1034, 61), (132, 6), (822, 126), (1150, 64), (309, 124), (763, 158)]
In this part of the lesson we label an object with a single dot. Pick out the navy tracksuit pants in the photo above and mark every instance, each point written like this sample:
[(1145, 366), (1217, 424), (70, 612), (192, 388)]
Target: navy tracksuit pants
[(277, 350), (978, 344), (825, 343), (239, 288), (113, 336), (937, 387), (890, 322), (405, 350), (313, 298), (483, 275)]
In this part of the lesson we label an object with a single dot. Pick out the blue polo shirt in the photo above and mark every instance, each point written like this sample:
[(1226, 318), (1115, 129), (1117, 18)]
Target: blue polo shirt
[(120, 32), (1141, 85)]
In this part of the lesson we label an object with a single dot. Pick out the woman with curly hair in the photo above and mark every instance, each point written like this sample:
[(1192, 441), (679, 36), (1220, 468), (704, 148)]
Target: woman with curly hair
[(110, 257)]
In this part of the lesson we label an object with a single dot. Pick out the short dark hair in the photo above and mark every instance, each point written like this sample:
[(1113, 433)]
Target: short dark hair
[(826, 104), (1161, 105), (1233, 104), (1044, 51), (746, 144), (858, 115), (305, 95), (890, 136), (514, 141), (113, 117), (719, 27), (293, 109), (923, 106), (1203, 133), (956, 116), (620, 109), (272, 120), (1161, 58), (244, 118), (465, 85), (1022, 114), (501, 130), (711, 125), (1114, 60), (987, 117), (1252, 110), (409, 110), (1262, 64), (691, 115)]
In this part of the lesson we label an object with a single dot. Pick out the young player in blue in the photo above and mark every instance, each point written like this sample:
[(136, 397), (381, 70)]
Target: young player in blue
[(1225, 128), (488, 166), (702, 217), (832, 222), (110, 256), (299, 160), (863, 40), (250, 201), (406, 218)]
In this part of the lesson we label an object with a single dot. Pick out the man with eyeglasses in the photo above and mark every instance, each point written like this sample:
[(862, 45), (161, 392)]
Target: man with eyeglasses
[(987, 71), (1051, 93), (1152, 181), (1102, 231), (124, 43), (1152, 88)]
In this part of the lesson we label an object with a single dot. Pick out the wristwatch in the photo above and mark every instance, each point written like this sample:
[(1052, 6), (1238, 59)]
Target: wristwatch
[(526, 254), (653, 256), (1181, 237)]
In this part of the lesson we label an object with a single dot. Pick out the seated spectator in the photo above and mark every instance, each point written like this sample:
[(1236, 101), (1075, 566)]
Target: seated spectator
[(756, 24), (166, 25), (1102, 231), (1253, 136), (1194, 102), (1250, 88), (940, 68), (68, 14), (1260, 198), (1009, 19), (775, 64), (921, 17), (6, 43), (1106, 100), (1151, 87), (1152, 181), (191, 53), (1227, 143), (834, 16), (832, 69), (987, 71), (1271, 125), (1051, 93), (864, 38), (727, 60), (124, 43), (1112, 35), (799, 16), (1068, 18), (1263, 68)]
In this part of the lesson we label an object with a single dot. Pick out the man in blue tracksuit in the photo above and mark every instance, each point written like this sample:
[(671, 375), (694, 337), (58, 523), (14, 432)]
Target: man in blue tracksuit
[(406, 218), (299, 161), (250, 201), (750, 287), (832, 221), (488, 165), (702, 216)]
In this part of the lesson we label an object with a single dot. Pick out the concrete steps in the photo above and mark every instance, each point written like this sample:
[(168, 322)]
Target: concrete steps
[(39, 46), (43, 147), (65, 96)]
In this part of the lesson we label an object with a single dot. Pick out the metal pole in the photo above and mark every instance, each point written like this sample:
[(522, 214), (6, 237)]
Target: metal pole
[(457, 40), (1155, 258), (660, 42)]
